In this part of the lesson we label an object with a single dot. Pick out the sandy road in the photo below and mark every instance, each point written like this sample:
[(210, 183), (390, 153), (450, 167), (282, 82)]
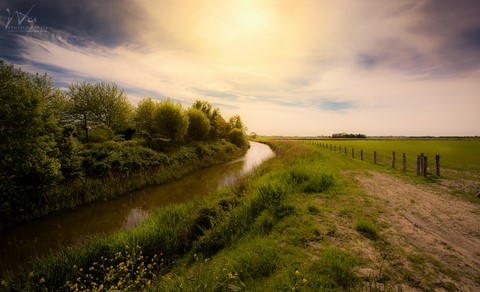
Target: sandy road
[(425, 221)]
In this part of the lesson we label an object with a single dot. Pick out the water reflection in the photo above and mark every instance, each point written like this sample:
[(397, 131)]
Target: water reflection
[(20, 243)]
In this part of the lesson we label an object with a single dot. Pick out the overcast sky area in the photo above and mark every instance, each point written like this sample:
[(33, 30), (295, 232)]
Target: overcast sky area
[(305, 68)]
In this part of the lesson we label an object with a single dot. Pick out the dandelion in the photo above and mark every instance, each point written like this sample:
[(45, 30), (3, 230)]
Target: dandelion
[(305, 281), (42, 280), (297, 273), (4, 283)]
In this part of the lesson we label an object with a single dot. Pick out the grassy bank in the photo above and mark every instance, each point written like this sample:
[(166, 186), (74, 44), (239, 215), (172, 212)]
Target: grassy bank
[(299, 222), (272, 232)]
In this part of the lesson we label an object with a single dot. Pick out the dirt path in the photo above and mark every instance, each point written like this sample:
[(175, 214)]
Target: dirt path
[(442, 230)]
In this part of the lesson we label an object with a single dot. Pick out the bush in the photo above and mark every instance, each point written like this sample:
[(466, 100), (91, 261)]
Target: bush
[(237, 137), (170, 120)]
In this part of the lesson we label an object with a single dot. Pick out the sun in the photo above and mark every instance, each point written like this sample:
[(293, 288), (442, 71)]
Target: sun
[(251, 17), (238, 30)]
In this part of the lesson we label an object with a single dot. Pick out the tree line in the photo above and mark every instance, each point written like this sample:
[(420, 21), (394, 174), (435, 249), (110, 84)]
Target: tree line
[(51, 137), (346, 135)]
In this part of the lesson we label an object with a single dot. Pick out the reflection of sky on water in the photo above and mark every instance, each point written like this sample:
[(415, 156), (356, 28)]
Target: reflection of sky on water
[(134, 217), (254, 157), (19, 243)]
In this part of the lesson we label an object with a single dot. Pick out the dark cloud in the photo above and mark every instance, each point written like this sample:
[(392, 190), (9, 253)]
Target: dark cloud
[(106, 22), (367, 61), (395, 54), (456, 25), (442, 39)]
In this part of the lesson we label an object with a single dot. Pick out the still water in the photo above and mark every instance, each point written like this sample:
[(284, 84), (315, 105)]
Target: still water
[(20, 243)]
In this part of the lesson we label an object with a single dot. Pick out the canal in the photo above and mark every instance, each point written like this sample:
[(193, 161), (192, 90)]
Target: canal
[(20, 243)]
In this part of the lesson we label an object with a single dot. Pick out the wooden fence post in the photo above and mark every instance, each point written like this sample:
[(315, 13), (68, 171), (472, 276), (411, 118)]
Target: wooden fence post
[(425, 164), (404, 162), (340, 148), (374, 157), (422, 163), (418, 164), (437, 164), (361, 154), (353, 153), (345, 149), (393, 159)]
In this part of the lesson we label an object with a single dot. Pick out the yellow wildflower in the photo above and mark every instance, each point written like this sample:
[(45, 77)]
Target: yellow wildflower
[(232, 276), (297, 273), (42, 280)]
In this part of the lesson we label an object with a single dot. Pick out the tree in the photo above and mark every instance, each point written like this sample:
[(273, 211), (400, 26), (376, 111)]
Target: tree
[(199, 125), (145, 115), (220, 126), (82, 105), (28, 166), (170, 120), (235, 122), (113, 108), (100, 104)]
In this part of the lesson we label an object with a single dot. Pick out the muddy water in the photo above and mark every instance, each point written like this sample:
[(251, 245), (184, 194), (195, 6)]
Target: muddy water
[(20, 243)]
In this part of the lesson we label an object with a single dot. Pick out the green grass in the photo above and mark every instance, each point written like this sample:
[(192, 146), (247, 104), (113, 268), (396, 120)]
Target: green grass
[(366, 227), (463, 154)]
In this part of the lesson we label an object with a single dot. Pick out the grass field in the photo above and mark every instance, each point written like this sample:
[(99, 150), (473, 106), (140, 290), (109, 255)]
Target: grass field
[(458, 154)]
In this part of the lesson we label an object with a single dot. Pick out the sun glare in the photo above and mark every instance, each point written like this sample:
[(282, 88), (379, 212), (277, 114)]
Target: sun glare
[(240, 29), (251, 17)]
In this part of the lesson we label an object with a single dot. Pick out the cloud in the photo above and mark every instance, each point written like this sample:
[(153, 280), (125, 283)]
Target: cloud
[(109, 23), (311, 62)]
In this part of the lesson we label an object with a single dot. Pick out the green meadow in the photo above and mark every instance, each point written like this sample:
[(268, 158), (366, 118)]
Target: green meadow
[(458, 154)]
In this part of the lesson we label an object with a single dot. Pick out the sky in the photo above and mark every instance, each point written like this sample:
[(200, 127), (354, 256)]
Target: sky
[(291, 67)]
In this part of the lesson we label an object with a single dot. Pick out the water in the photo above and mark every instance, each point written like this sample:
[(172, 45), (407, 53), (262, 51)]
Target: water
[(36, 238)]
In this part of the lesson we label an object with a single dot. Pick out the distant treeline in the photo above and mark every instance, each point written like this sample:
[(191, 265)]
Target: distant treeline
[(60, 149), (346, 135)]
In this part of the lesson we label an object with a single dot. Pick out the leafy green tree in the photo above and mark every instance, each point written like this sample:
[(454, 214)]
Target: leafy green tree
[(219, 127), (145, 116), (113, 108), (199, 125), (170, 120), (204, 106), (235, 122), (99, 104), (28, 166)]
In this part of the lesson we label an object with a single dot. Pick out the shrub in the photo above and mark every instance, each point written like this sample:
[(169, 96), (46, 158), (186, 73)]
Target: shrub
[(237, 137)]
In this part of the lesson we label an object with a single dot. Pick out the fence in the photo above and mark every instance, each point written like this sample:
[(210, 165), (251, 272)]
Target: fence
[(420, 165)]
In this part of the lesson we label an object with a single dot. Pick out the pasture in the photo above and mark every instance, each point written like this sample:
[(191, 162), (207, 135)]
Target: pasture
[(455, 154)]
